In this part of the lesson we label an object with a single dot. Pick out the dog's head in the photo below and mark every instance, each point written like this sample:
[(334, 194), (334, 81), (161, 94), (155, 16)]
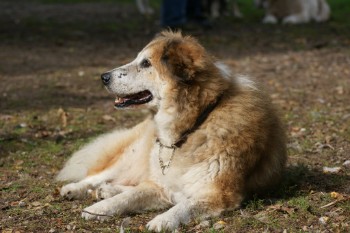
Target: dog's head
[(168, 62)]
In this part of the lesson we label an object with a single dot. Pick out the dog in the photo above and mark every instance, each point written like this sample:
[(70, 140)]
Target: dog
[(294, 11), (216, 8), (211, 140)]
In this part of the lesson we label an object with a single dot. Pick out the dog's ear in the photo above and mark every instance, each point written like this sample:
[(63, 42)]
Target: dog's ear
[(184, 58)]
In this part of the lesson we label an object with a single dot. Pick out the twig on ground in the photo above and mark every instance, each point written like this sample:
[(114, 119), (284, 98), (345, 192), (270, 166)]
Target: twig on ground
[(101, 215)]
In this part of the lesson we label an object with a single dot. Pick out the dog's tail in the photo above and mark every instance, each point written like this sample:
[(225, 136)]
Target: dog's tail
[(77, 167), (324, 11), (104, 149)]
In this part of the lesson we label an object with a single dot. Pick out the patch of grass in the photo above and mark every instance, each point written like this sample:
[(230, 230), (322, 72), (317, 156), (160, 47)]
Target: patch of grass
[(247, 224), (255, 204), (300, 202), (249, 11), (212, 230), (13, 187), (340, 11), (38, 190), (346, 206)]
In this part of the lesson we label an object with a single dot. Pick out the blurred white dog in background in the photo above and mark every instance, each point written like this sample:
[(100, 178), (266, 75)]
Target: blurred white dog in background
[(216, 8), (294, 11)]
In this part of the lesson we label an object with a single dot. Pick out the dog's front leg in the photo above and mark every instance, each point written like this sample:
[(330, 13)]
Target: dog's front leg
[(146, 195), (184, 212), (171, 219)]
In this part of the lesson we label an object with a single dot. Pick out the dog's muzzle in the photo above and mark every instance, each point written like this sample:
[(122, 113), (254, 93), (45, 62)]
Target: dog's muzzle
[(106, 78)]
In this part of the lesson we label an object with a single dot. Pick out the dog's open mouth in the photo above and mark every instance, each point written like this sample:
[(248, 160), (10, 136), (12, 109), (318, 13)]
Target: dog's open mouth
[(134, 99)]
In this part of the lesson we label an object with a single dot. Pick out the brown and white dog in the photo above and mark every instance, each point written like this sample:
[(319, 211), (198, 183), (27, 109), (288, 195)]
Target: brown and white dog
[(211, 140), (294, 11)]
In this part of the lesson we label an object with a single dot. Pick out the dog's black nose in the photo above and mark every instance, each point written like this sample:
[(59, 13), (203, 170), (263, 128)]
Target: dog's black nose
[(106, 77)]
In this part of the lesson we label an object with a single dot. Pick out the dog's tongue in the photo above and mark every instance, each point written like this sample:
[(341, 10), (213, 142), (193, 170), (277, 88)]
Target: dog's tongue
[(134, 99), (125, 99)]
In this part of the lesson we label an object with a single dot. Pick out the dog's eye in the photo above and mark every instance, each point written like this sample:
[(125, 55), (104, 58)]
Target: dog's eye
[(145, 63)]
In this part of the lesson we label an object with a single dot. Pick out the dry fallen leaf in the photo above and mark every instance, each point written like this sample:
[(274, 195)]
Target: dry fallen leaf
[(323, 220), (221, 222), (7, 231), (63, 115), (5, 117), (36, 204), (346, 163), (331, 170), (320, 146), (281, 208), (339, 90), (336, 195), (108, 118), (202, 225), (219, 225)]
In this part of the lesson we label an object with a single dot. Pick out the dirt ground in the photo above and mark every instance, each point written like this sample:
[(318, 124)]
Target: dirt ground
[(52, 102)]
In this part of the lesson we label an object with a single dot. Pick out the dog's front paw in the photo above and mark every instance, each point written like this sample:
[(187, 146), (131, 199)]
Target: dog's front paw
[(163, 222), (73, 191), (106, 190), (100, 211)]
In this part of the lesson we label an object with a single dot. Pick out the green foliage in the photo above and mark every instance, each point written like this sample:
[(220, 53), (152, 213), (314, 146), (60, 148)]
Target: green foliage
[(255, 203)]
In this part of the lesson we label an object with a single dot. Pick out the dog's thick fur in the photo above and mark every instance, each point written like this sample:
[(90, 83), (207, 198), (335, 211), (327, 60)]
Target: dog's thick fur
[(294, 11), (237, 150)]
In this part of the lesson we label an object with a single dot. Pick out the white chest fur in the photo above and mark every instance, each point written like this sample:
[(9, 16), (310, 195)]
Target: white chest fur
[(182, 178)]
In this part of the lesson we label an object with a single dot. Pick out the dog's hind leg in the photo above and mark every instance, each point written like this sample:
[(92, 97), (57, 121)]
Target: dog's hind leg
[(108, 190), (81, 189), (145, 196)]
